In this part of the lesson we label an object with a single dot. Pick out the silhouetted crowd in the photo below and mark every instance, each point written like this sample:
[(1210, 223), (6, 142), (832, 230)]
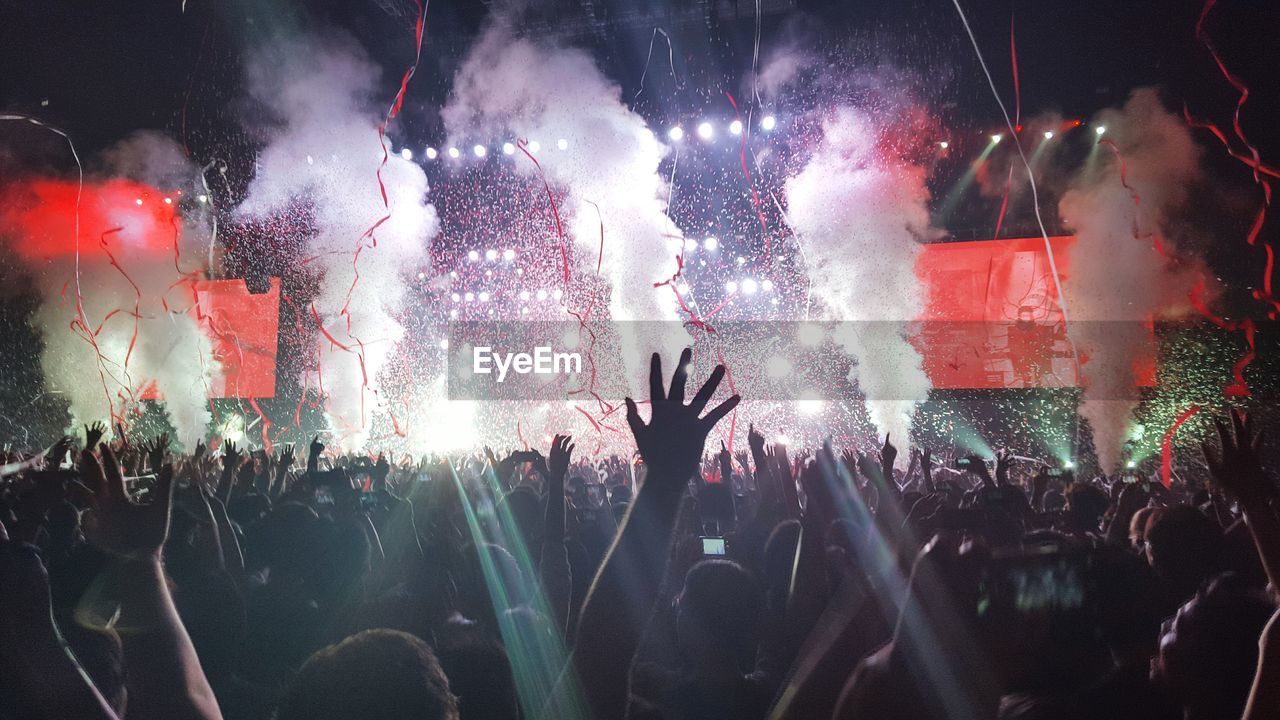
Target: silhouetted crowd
[(681, 583)]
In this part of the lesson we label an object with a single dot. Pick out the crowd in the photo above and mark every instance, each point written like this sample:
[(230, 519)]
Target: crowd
[(684, 584)]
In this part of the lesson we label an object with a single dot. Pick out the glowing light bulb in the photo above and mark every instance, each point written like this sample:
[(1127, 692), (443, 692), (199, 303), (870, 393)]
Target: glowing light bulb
[(735, 127), (480, 151), (508, 254), (997, 138), (534, 147), (705, 130), (711, 244), (473, 256), (491, 255), (454, 153), (1100, 129), (944, 144), (768, 122), (432, 153), (508, 149), (562, 144), (406, 153), (731, 287), (1048, 134), (676, 134), (749, 286)]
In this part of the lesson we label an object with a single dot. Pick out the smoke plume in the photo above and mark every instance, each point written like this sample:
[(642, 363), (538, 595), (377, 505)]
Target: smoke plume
[(324, 150), (1118, 275), (860, 210)]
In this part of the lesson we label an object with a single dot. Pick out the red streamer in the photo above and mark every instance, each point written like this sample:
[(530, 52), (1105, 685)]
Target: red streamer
[(755, 196), (1166, 445)]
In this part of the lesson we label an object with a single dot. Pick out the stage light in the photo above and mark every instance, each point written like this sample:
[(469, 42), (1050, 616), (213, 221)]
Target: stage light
[(731, 287), (562, 144), (741, 260), (810, 407), (997, 138), (168, 201), (1100, 129), (453, 153), (711, 244), (676, 134), (1131, 464), (484, 296), (422, 276), (480, 151), (735, 127), (944, 144), (749, 286), (1048, 134), (473, 256), (444, 343), (508, 149), (455, 297), (469, 297), (139, 201), (705, 130), (406, 153), (766, 285), (768, 122), (524, 294), (690, 244), (533, 147), (491, 255), (542, 295), (202, 198), (1068, 464), (557, 294), (432, 153), (508, 254)]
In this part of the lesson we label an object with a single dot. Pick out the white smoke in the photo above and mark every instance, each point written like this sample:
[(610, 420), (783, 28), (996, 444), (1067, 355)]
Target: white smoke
[(861, 213), (325, 151), (168, 349), (515, 87), (1113, 275)]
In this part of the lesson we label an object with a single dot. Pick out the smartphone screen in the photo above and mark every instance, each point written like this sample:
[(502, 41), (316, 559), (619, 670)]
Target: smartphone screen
[(713, 546)]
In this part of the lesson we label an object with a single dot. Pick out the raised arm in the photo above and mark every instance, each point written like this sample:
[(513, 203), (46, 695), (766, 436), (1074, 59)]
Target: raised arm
[(165, 678), (554, 570), (623, 592)]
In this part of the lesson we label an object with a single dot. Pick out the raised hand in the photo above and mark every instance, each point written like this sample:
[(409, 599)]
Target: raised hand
[(232, 456), (93, 434), (316, 447), (285, 459), (1004, 459), (1237, 469), (116, 523), (559, 458), (671, 443), (888, 454), (726, 463), (156, 449)]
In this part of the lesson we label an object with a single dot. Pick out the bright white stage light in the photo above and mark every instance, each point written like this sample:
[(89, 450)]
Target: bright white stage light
[(676, 134), (562, 144), (484, 296), (766, 285), (406, 153), (690, 244), (473, 256), (542, 295), (705, 130), (453, 153), (735, 127), (202, 198), (524, 294), (768, 122), (1048, 134), (508, 254), (944, 144), (749, 286), (996, 138), (491, 255), (731, 287), (455, 297), (480, 151), (432, 153), (711, 244), (469, 297), (1100, 129), (534, 147), (508, 149), (139, 201), (168, 201)]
